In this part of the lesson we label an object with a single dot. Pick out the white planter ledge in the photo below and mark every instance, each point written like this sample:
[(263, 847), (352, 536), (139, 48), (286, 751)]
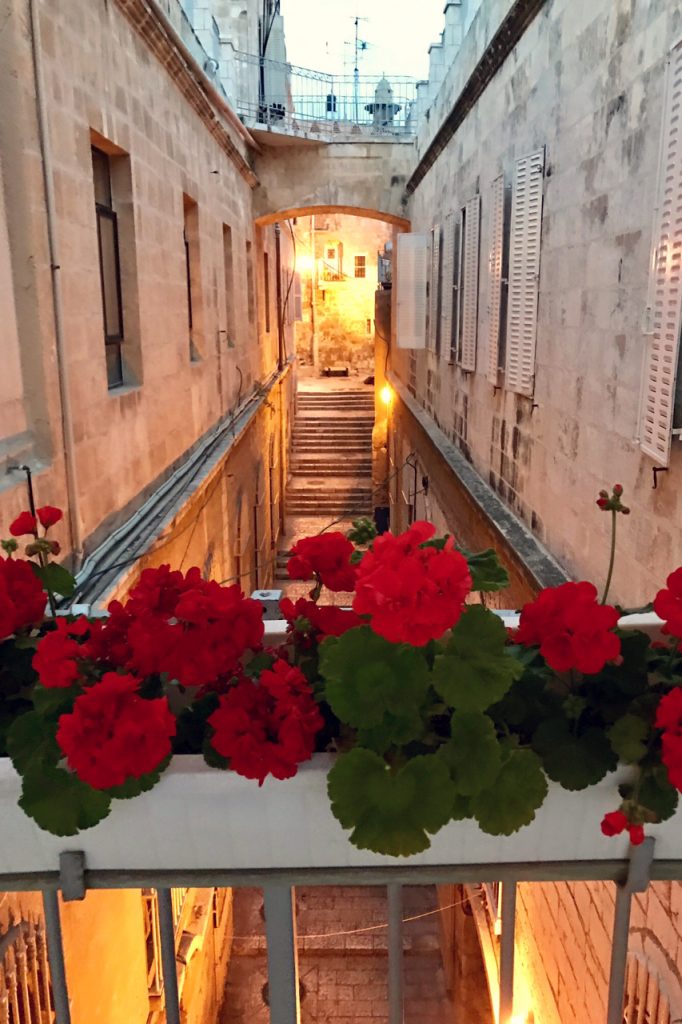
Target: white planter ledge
[(201, 819)]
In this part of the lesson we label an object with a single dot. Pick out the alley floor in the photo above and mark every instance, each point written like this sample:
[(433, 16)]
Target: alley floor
[(343, 961)]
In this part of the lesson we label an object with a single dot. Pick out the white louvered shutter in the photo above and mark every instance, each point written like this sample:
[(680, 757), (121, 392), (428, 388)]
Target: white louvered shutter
[(433, 293), (448, 281), (495, 277), (470, 259), (412, 267), (298, 297), (661, 359), (524, 272)]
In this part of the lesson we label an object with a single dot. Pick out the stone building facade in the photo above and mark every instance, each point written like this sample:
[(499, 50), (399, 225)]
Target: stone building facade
[(544, 366)]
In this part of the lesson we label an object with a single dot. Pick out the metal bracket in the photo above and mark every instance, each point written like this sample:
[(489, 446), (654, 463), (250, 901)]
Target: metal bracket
[(656, 470), (72, 875), (639, 868)]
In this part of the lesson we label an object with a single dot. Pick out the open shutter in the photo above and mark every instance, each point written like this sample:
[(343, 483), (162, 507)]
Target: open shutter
[(298, 299), (661, 359), (411, 279), (448, 261), (470, 259), (495, 281), (434, 290), (456, 290), (524, 272)]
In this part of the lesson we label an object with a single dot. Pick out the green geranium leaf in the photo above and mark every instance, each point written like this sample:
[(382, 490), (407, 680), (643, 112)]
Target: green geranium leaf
[(574, 761), (60, 803), (391, 731), (55, 578), (472, 754), (514, 797), (52, 701), (476, 670), (16, 669), (32, 744), (461, 808), (657, 794), (133, 787), (363, 531), (390, 812), (627, 737), (368, 680), (487, 572)]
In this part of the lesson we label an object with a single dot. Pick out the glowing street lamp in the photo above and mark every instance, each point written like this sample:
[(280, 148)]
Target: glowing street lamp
[(386, 395)]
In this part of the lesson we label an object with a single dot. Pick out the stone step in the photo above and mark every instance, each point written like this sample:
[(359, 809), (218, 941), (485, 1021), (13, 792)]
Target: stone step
[(332, 471)]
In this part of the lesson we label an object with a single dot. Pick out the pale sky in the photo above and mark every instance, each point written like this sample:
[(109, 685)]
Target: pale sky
[(398, 34)]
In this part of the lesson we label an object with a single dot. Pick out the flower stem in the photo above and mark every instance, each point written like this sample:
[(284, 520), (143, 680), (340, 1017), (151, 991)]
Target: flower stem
[(612, 558), (50, 596)]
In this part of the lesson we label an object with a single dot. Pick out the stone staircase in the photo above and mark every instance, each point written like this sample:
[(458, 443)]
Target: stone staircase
[(330, 464)]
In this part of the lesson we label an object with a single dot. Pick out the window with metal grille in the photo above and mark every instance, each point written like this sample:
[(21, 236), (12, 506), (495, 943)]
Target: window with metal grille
[(664, 315), (25, 990), (360, 266), (109, 266), (228, 273), (524, 273)]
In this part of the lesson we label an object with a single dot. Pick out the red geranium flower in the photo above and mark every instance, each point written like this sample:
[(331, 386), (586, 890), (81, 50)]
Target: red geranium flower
[(23, 525), (571, 628), (326, 557), (412, 594), (668, 603), (326, 620), (113, 734), (49, 515), (268, 729), (22, 599), (57, 655), (615, 822)]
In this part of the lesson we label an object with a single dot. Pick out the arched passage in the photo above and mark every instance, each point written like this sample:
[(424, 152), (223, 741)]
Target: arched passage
[(386, 217)]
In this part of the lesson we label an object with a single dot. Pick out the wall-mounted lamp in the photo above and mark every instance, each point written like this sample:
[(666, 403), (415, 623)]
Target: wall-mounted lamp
[(386, 395)]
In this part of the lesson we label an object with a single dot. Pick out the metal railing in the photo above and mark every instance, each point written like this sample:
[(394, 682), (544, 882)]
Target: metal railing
[(25, 996), (295, 98)]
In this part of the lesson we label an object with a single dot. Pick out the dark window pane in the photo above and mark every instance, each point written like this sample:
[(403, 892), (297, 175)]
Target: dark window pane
[(110, 274), (102, 177), (114, 364)]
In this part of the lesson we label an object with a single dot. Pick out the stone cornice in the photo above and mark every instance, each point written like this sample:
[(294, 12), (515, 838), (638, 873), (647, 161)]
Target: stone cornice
[(170, 52)]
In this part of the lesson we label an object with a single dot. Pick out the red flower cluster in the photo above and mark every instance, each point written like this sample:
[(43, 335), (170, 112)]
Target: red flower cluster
[(270, 728), (571, 629), (26, 524), (668, 603), (58, 654), (113, 734), (22, 599), (412, 593), (615, 822), (669, 718), (326, 558), (309, 618), (191, 629)]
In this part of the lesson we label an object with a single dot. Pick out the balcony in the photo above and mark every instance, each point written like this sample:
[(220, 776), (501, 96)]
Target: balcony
[(201, 827)]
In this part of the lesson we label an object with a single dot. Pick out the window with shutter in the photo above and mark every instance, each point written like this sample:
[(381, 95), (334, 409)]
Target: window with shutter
[(298, 299), (448, 272), (471, 215), (663, 343), (435, 290), (456, 282), (524, 272), (411, 281), (498, 265)]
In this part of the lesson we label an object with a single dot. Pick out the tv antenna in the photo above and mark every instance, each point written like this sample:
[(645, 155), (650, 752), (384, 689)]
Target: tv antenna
[(360, 46)]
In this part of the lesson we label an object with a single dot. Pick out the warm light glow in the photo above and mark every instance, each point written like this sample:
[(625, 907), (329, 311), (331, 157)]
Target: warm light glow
[(386, 394), (305, 263)]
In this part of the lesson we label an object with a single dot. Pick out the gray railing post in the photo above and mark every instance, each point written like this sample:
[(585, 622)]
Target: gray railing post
[(170, 970), (395, 955), (507, 951), (639, 873), (55, 955), (280, 929)]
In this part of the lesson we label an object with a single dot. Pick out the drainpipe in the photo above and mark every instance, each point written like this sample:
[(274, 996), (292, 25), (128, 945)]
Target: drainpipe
[(75, 534), (280, 311)]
